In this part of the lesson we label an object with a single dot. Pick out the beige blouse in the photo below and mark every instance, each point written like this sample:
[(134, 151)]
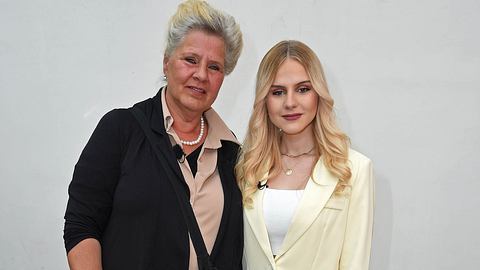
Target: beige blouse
[(206, 193)]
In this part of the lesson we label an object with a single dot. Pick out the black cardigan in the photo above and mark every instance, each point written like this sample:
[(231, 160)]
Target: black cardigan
[(119, 196)]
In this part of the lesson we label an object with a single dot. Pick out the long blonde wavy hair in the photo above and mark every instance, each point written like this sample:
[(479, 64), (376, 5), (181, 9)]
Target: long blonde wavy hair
[(260, 152)]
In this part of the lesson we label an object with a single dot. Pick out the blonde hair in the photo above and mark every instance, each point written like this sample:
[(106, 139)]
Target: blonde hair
[(261, 148), (199, 15)]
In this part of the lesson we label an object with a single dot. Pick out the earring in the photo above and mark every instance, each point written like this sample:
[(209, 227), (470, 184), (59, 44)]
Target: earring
[(164, 77)]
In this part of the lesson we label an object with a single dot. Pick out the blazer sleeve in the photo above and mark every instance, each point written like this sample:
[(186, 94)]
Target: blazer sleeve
[(358, 236), (93, 185)]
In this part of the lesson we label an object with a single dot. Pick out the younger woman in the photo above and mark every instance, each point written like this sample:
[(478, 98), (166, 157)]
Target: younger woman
[(308, 197)]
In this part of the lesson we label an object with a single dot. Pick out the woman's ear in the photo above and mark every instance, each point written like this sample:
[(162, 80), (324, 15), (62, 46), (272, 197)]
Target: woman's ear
[(165, 64)]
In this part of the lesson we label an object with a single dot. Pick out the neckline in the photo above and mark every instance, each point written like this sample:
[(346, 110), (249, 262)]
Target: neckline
[(272, 189)]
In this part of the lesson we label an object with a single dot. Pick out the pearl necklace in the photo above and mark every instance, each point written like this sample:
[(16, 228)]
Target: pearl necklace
[(200, 136)]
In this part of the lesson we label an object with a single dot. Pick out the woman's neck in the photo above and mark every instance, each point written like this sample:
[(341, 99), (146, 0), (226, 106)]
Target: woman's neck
[(297, 144), (184, 121)]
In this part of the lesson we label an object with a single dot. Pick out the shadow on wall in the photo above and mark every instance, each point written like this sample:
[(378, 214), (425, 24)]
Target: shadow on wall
[(383, 224)]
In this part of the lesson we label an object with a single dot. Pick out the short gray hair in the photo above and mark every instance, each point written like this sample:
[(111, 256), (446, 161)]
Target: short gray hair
[(199, 15)]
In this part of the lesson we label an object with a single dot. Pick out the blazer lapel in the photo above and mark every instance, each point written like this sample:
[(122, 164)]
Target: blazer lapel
[(163, 144), (316, 194), (256, 221)]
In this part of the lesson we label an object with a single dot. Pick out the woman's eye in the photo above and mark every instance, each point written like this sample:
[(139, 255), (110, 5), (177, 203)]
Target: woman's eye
[(191, 60), (303, 89), (277, 92), (214, 67)]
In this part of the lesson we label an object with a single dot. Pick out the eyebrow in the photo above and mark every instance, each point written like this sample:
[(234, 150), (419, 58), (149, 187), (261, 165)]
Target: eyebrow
[(281, 86)]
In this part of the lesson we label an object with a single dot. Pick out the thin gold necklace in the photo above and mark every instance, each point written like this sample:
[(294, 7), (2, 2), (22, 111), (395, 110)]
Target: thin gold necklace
[(289, 170), (299, 155)]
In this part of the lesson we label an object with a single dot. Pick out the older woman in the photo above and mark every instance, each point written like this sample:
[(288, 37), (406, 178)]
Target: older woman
[(123, 212), (308, 197)]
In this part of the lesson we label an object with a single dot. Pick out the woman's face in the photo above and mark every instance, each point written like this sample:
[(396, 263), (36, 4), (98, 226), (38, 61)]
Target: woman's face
[(291, 101), (195, 72)]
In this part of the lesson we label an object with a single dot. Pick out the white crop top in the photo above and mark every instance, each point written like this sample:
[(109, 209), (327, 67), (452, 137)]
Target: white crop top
[(278, 209)]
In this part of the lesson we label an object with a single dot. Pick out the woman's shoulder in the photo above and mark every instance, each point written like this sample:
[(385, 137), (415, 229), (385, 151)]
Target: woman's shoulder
[(115, 115), (116, 119), (358, 159), (361, 167), (123, 118)]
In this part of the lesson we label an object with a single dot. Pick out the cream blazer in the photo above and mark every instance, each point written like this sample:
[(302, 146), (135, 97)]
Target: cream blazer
[(327, 232)]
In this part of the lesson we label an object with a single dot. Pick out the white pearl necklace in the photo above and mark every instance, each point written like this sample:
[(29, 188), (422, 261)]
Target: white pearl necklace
[(200, 136)]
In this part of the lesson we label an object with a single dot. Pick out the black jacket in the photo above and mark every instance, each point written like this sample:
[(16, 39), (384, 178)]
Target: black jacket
[(119, 195)]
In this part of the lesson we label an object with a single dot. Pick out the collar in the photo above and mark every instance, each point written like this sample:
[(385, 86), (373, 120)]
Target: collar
[(167, 117), (217, 129)]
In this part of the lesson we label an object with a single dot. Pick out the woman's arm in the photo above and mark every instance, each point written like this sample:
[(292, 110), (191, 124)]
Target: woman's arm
[(86, 255), (91, 192), (358, 235)]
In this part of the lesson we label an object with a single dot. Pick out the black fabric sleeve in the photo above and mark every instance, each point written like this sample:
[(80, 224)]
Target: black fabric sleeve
[(93, 185)]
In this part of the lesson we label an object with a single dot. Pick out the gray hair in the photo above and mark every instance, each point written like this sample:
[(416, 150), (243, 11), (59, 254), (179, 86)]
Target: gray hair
[(199, 15)]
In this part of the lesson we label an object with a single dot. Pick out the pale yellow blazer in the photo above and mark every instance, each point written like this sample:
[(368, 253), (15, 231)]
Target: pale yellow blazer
[(327, 232)]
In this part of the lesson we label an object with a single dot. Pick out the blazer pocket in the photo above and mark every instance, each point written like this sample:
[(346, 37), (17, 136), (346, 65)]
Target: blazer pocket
[(335, 203)]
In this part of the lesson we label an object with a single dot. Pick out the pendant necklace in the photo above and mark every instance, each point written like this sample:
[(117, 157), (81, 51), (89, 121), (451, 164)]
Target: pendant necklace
[(289, 169)]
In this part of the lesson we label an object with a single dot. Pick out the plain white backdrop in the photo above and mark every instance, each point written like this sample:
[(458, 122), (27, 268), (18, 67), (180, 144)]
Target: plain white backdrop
[(404, 74)]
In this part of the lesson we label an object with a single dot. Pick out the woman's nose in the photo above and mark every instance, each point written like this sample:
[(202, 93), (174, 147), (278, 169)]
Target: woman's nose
[(290, 100), (201, 73)]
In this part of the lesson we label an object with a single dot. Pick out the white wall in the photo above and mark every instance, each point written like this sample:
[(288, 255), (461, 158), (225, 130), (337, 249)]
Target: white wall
[(404, 75)]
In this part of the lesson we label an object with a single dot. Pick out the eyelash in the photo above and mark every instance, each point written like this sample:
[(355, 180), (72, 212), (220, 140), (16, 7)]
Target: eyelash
[(303, 89), (214, 67), (277, 92)]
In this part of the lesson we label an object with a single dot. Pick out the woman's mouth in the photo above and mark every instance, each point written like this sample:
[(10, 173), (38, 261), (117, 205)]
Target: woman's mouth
[(292, 116), (197, 89)]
